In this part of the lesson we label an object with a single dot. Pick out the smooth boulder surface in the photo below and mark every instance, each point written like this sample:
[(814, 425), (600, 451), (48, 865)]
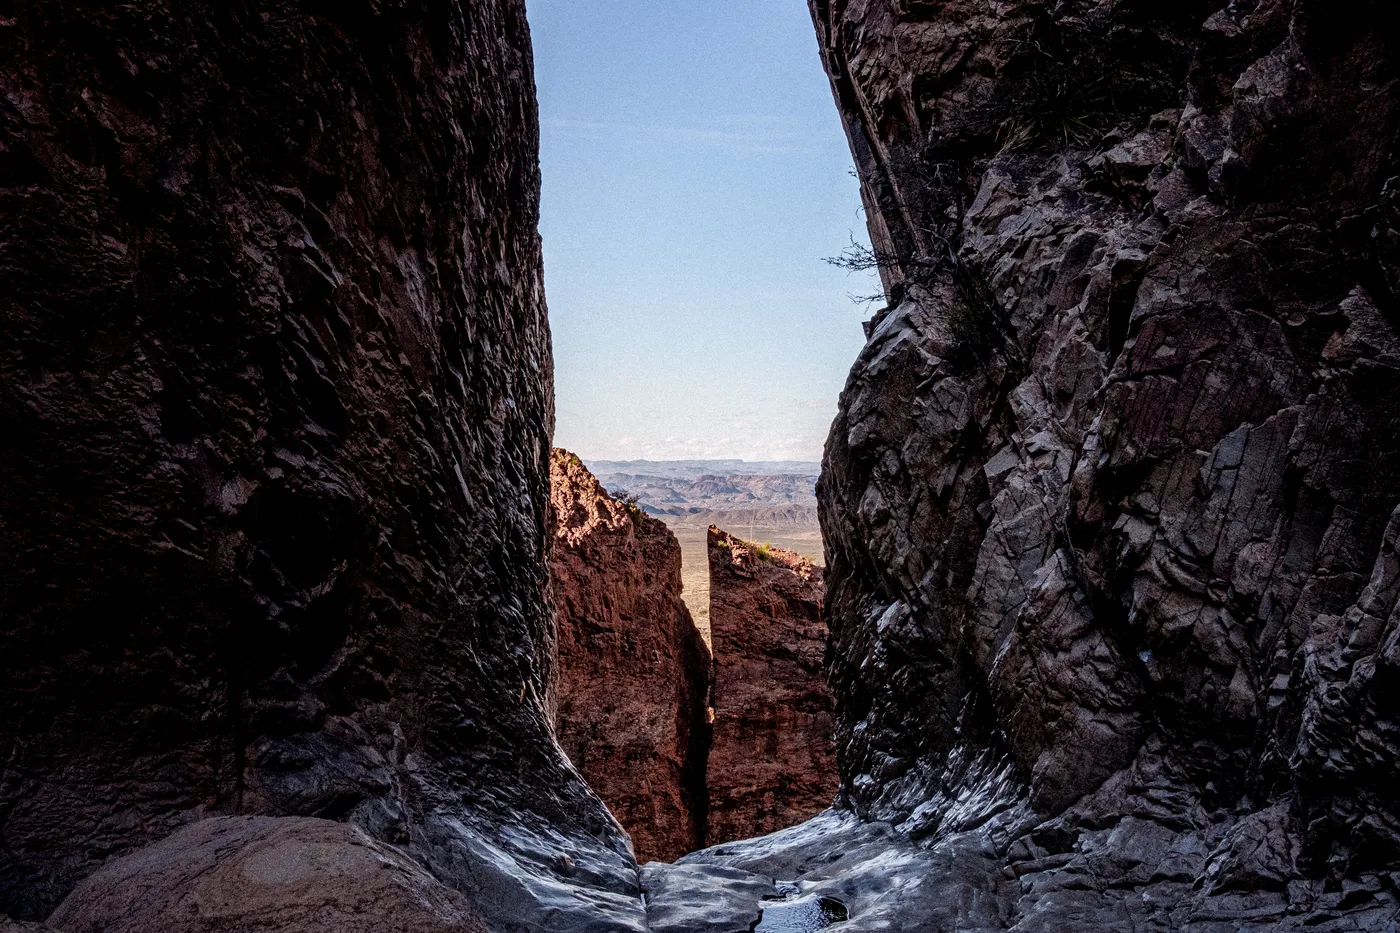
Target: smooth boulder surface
[(289, 875)]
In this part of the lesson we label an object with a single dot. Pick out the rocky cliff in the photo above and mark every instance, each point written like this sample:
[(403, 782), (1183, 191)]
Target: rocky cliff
[(1109, 499), (275, 389), (1110, 502), (772, 760), (633, 673)]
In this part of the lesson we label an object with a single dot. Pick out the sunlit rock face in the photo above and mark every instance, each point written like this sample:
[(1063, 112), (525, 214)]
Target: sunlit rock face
[(633, 673), (276, 398), (1111, 561), (772, 759)]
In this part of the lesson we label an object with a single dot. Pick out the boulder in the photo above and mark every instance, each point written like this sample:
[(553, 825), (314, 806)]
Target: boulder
[(289, 875)]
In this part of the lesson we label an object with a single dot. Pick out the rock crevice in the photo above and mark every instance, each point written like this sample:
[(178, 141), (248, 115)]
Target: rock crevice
[(633, 673)]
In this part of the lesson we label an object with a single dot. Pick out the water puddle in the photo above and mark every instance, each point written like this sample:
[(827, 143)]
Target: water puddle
[(799, 914)]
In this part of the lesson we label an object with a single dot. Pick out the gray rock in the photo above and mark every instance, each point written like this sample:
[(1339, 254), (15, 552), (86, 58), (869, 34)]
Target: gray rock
[(1111, 474), (276, 395), (707, 898), (885, 881), (288, 875)]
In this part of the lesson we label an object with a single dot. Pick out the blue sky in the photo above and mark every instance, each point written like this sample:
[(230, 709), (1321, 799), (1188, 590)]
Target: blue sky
[(695, 174)]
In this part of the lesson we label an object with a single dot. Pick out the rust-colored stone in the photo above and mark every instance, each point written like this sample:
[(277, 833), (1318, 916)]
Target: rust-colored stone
[(772, 761), (633, 671)]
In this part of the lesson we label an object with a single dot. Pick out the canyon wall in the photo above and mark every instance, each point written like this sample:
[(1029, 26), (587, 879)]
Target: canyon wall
[(772, 761), (633, 673), (275, 391), (1110, 500)]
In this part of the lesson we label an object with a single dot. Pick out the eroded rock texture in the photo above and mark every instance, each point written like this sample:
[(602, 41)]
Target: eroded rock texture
[(633, 676), (287, 875), (772, 758), (275, 392), (1108, 503)]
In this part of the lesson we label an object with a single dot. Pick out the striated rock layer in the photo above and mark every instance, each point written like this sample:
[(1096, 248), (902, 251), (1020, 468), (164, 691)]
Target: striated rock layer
[(275, 388), (772, 760), (1108, 503), (633, 673)]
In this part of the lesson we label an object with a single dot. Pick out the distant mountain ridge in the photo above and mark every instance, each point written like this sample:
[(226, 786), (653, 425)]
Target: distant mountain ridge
[(688, 487), (769, 501), (693, 469)]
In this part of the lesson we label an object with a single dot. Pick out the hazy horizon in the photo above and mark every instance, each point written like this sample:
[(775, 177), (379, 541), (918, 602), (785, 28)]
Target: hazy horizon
[(695, 175), (671, 460)]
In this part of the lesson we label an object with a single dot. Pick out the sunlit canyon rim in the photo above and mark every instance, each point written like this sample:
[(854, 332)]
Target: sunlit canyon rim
[(1109, 503), (632, 690), (687, 742)]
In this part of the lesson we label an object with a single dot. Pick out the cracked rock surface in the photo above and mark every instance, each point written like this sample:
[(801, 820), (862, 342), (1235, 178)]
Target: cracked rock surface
[(633, 673), (1110, 501), (276, 396)]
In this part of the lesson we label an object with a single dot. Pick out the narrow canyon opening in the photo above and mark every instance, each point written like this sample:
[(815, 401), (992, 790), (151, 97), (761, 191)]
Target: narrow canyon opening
[(691, 416), (693, 736), (296, 630)]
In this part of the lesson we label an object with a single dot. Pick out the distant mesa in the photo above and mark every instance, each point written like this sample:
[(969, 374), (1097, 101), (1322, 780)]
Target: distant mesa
[(691, 493), (770, 500), (692, 469)]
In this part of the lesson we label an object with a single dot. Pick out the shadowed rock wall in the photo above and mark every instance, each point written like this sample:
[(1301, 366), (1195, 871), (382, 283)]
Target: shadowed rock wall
[(1108, 503), (633, 677), (275, 392), (772, 762)]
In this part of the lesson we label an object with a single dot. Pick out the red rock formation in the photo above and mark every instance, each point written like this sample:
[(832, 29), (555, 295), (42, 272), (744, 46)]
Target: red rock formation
[(772, 760), (633, 671)]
